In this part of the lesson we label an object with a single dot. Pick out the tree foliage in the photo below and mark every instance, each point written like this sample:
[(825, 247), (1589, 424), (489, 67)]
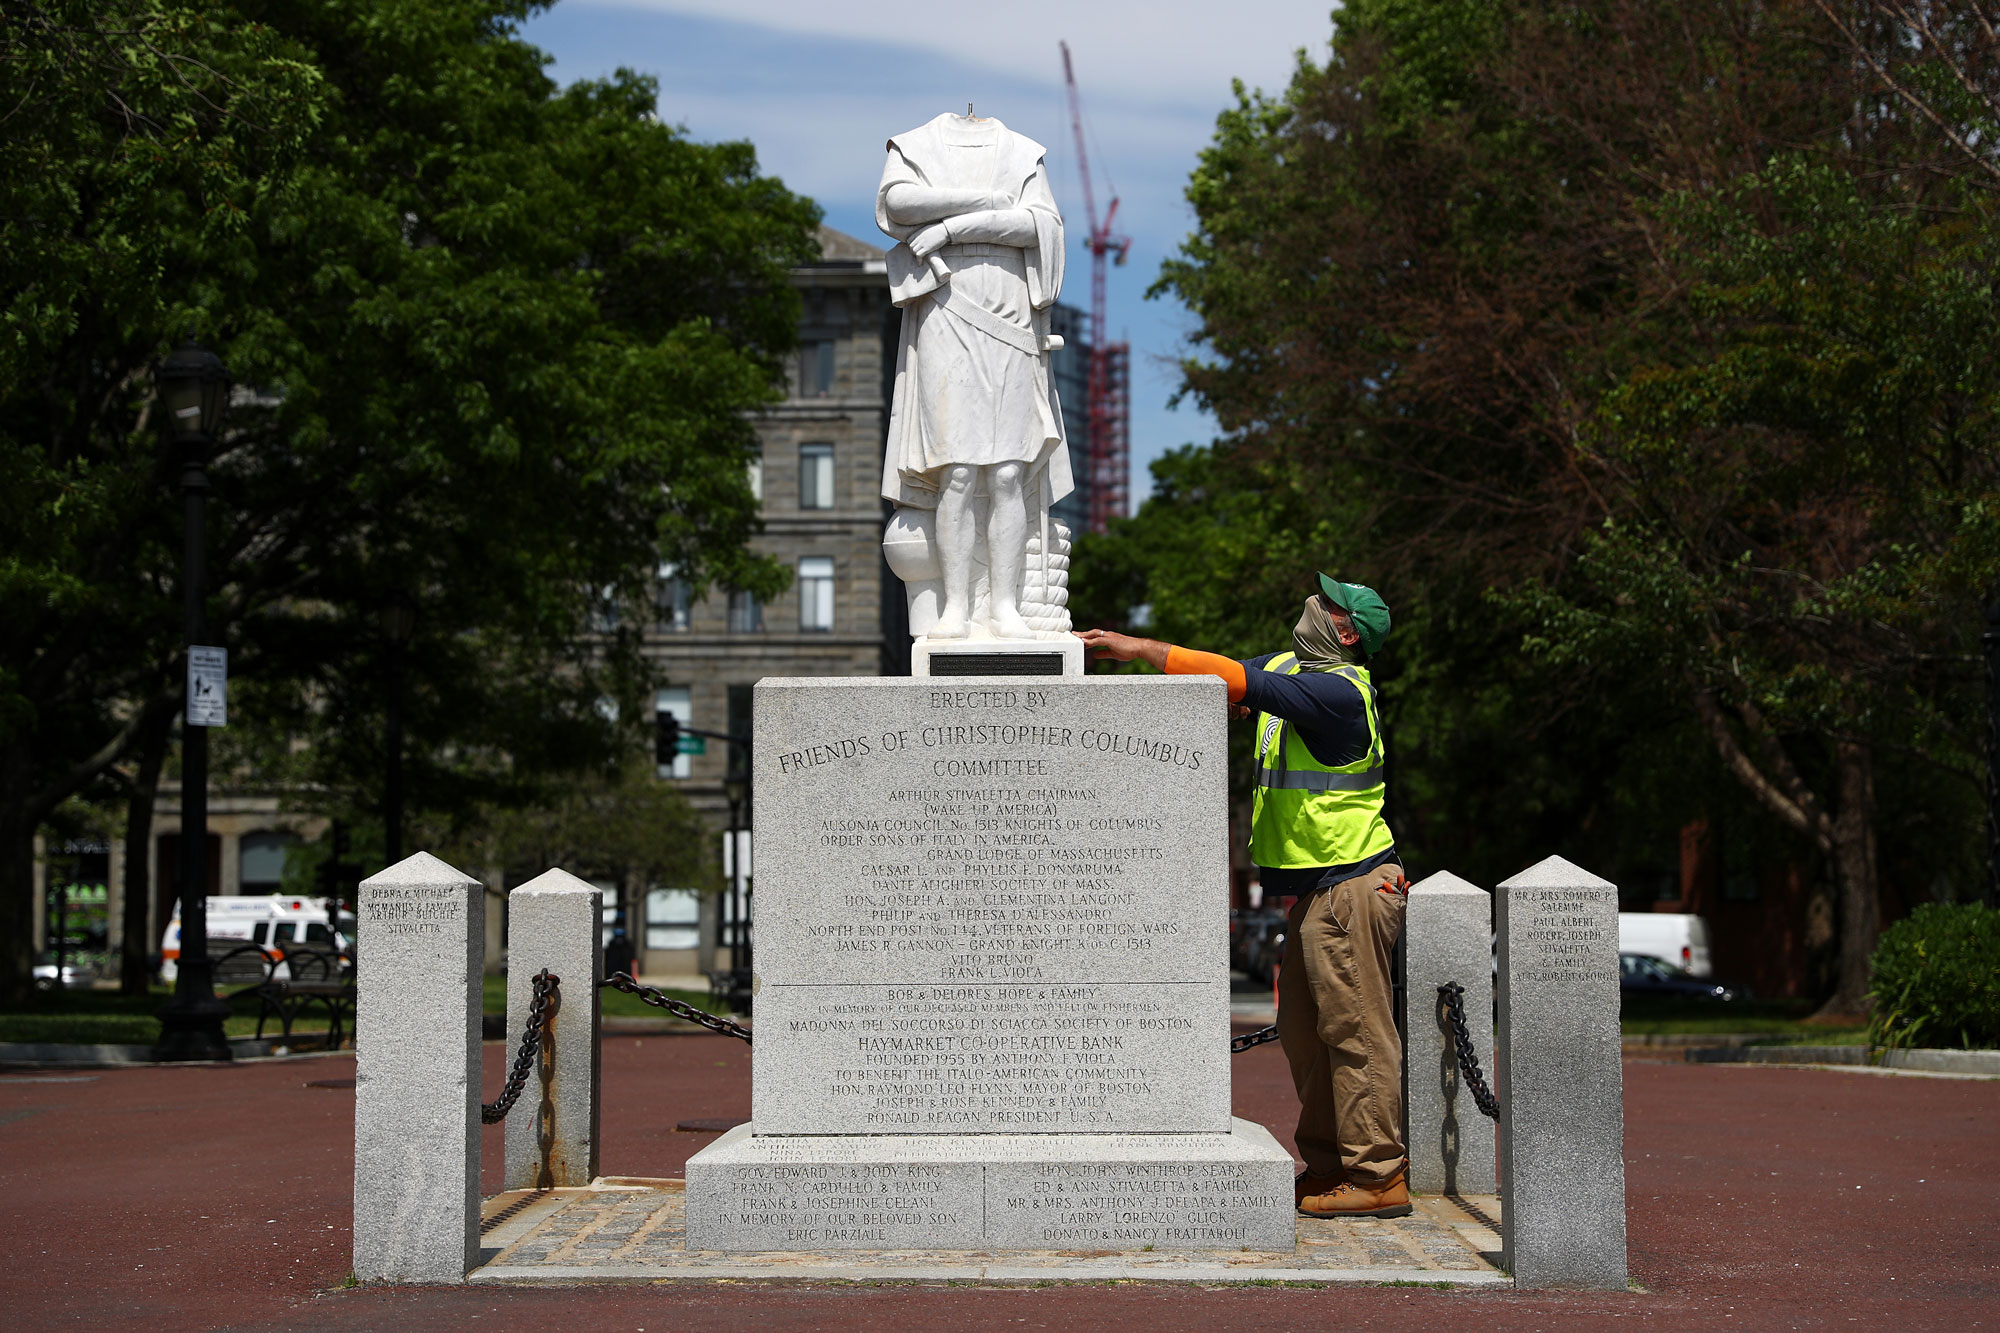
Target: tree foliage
[(1641, 355), (496, 345)]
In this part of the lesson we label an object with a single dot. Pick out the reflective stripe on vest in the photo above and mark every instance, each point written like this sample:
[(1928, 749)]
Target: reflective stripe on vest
[(1305, 813)]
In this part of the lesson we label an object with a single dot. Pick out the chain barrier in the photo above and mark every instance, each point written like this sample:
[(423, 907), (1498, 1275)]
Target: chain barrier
[(1238, 1045), (680, 1009), (545, 984), (1453, 996)]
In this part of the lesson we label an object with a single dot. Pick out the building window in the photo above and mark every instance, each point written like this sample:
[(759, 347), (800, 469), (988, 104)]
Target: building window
[(816, 593), (670, 599), (746, 613), (815, 476), (604, 611), (675, 701), (261, 861), (757, 476), (741, 723), (816, 368), (673, 919)]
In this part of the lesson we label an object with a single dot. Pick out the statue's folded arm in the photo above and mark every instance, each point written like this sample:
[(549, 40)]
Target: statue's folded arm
[(999, 226), (911, 205)]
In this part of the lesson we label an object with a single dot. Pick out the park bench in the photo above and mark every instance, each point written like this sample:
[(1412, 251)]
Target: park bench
[(311, 977)]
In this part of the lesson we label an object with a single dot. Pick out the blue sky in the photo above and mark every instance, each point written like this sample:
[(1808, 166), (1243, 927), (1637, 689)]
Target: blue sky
[(819, 88)]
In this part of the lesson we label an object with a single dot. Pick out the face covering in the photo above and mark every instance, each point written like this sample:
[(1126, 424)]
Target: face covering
[(1315, 641)]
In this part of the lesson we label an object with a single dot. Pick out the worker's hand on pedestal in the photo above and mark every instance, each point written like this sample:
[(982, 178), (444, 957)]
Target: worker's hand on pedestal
[(1110, 643)]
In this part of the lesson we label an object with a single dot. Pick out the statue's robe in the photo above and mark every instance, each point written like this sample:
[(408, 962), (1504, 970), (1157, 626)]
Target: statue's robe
[(972, 363)]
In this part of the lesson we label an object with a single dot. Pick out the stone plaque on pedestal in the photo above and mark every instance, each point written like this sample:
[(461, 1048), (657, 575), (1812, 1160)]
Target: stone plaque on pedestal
[(992, 956)]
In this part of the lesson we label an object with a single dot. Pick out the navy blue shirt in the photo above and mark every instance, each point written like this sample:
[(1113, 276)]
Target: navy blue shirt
[(1331, 719)]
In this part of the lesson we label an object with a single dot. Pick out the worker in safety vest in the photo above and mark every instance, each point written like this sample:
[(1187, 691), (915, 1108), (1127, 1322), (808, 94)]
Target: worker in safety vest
[(1316, 831)]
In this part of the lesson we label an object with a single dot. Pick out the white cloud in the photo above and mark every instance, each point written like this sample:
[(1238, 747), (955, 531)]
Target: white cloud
[(1183, 51)]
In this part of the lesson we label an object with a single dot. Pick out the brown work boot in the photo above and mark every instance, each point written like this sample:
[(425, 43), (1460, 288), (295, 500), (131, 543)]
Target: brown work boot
[(1349, 1200), (1307, 1184)]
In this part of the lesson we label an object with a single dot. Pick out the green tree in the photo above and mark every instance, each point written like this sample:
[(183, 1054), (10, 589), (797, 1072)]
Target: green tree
[(497, 342), (1457, 281), (1809, 511)]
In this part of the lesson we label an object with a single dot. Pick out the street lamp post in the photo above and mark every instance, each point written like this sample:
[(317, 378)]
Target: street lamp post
[(399, 621), (193, 388), (737, 785)]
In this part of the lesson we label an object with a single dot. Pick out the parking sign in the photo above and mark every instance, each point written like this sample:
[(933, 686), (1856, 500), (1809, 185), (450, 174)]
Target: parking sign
[(208, 687)]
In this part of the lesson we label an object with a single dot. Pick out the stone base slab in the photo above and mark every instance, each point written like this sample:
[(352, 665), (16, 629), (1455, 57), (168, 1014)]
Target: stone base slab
[(925, 652), (628, 1229), (1112, 1192)]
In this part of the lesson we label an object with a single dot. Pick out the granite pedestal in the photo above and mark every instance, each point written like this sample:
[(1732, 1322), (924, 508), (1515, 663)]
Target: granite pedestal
[(416, 1073), (554, 921), (1561, 1085), (1447, 934), (1056, 656), (992, 974)]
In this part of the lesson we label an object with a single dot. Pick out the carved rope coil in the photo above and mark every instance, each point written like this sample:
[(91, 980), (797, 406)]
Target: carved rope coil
[(1045, 585)]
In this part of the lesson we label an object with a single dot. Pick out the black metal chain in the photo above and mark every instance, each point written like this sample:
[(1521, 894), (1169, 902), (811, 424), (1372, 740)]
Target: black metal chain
[(1453, 996), (679, 1008), (1238, 1045), (545, 984)]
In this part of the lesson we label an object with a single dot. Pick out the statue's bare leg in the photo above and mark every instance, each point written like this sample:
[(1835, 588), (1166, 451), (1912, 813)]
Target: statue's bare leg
[(957, 533), (1006, 548)]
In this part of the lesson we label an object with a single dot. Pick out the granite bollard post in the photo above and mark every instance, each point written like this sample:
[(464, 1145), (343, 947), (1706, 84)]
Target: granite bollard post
[(555, 921), (1447, 937), (1562, 1097), (416, 1073)]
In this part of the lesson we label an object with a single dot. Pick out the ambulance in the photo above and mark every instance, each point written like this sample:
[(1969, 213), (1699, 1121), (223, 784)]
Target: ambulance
[(274, 924)]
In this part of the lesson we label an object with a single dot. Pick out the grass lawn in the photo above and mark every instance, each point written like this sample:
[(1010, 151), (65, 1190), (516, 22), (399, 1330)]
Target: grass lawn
[(83, 1016), (87, 1017), (1786, 1019)]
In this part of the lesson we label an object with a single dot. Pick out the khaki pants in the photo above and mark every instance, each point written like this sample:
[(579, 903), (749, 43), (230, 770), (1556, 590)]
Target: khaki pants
[(1336, 1021)]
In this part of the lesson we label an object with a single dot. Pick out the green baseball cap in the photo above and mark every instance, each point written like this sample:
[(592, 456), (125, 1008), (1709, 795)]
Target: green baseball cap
[(1364, 606)]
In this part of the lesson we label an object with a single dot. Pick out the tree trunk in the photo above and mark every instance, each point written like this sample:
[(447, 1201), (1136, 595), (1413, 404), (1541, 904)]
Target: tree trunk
[(1857, 876), (135, 972), (17, 879)]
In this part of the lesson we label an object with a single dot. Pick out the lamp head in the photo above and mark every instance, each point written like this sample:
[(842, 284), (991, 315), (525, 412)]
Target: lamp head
[(193, 388)]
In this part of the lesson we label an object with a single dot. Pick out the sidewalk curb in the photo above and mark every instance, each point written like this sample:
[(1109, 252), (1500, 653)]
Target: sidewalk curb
[(111, 1055), (1979, 1064)]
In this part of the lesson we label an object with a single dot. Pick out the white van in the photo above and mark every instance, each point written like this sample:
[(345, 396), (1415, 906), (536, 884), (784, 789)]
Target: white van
[(1675, 938), (275, 924)]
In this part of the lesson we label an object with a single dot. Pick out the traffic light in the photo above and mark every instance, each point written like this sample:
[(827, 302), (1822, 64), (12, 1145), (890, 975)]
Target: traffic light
[(666, 738)]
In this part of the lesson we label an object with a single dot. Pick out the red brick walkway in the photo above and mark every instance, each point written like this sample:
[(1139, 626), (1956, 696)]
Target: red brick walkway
[(1759, 1198)]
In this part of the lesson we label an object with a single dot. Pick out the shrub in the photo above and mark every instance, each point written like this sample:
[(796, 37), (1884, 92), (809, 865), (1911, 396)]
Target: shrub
[(1935, 979)]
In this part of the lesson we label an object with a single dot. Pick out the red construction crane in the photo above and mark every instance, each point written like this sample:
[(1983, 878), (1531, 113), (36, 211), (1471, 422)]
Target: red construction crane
[(1109, 464)]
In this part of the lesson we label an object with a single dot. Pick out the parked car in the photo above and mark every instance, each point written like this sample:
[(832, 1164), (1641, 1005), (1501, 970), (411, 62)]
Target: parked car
[(73, 974), (1256, 941), (1643, 974), (1677, 939)]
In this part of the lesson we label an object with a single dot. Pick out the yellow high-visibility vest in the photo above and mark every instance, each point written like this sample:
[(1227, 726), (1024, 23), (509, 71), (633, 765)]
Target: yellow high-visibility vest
[(1304, 813)]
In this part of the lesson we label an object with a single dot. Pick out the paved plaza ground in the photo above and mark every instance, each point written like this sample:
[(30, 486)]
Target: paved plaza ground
[(1760, 1198)]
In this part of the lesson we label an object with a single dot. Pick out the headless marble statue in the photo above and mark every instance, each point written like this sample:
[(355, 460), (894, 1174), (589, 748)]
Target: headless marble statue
[(976, 453)]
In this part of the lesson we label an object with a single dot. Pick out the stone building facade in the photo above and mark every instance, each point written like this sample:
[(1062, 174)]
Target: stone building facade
[(820, 481)]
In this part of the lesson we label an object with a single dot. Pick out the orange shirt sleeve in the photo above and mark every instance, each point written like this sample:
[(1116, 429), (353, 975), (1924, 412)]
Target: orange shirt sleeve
[(1188, 662)]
